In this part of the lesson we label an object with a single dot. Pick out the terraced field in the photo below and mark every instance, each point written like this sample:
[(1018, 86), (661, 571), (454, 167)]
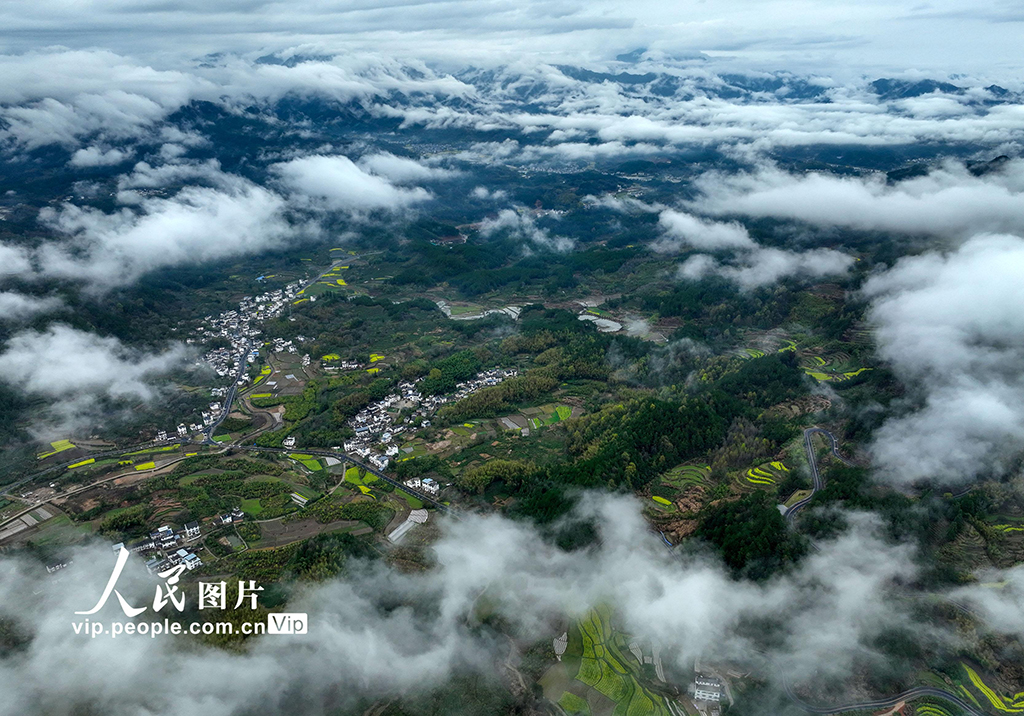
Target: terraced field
[(933, 708), (1013, 704), (788, 345), (1009, 527), (834, 369), (676, 481), (608, 677), (684, 475), (573, 704), (767, 475)]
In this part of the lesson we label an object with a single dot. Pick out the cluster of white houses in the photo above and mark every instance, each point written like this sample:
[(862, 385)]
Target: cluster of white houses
[(329, 365), (425, 485), (166, 547), (375, 424), (240, 328)]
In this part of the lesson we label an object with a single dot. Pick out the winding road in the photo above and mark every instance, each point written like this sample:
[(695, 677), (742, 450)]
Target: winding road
[(243, 364), (915, 693), (817, 482)]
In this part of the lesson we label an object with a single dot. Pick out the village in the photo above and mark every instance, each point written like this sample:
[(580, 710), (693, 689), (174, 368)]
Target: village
[(375, 428), (240, 328), (166, 547)]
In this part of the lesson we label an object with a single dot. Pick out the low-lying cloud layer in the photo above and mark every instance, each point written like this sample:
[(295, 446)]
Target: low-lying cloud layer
[(999, 600), (74, 371), (844, 37), (402, 170), (752, 265), (14, 261), (211, 215), (523, 227), (97, 104), (17, 306), (826, 614), (680, 228), (336, 183), (949, 202), (197, 224), (951, 326)]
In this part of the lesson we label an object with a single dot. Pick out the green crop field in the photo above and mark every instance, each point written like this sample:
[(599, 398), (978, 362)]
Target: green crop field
[(308, 460), (414, 502), (607, 666), (252, 507), (687, 475), (573, 704)]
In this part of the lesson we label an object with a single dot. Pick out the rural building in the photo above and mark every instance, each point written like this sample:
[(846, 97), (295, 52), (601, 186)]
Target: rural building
[(707, 689)]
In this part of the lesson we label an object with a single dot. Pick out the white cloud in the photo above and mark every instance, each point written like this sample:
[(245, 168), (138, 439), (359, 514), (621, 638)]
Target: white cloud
[(679, 228), (764, 266), (59, 96), (522, 226), (74, 370), (697, 267), (97, 157), (17, 306), (751, 265), (485, 194), (14, 261), (621, 204), (335, 182), (948, 202), (951, 325), (999, 599), (146, 176), (402, 170), (197, 224), (489, 152)]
